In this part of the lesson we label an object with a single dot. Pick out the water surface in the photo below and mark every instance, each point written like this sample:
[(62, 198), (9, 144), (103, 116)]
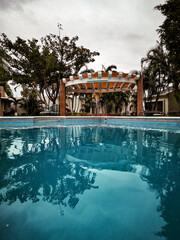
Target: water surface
[(89, 182)]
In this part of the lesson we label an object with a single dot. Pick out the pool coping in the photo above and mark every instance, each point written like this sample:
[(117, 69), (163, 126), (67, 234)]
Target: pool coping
[(36, 119)]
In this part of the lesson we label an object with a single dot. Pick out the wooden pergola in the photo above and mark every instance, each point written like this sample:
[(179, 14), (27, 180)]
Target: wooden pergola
[(101, 82)]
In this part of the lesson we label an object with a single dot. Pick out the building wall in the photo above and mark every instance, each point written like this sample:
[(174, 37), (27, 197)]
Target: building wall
[(173, 104), (20, 110), (6, 106), (170, 103), (164, 99)]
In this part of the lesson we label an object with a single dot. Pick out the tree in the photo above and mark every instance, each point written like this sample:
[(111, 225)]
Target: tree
[(26, 62), (109, 102), (155, 69), (87, 70), (41, 65), (87, 106), (30, 102), (110, 68), (113, 102), (169, 33), (123, 97), (70, 58), (4, 73)]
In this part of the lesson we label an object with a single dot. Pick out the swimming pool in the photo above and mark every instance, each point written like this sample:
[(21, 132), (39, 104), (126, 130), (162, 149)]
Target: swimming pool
[(90, 181)]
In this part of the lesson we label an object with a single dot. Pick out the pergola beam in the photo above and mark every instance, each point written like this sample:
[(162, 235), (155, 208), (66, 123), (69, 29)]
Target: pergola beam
[(115, 85), (92, 85), (122, 86), (99, 91), (77, 86), (84, 81), (84, 85)]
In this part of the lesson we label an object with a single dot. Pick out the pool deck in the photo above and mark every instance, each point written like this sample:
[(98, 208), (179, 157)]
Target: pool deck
[(36, 119)]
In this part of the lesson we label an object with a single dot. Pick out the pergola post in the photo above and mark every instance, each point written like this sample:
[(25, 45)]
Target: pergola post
[(1, 112), (62, 102), (140, 96), (2, 94)]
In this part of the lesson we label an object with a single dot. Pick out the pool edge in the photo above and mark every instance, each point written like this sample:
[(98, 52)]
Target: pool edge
[(31, 120)]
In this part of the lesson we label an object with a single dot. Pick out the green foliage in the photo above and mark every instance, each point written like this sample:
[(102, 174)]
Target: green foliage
[(169, 33), (87, 70), (88, 103), (156, 70), (113, 101), (41, 65), (161, 66), (30, 102), (4, 73), (110, 68), (68, 59)]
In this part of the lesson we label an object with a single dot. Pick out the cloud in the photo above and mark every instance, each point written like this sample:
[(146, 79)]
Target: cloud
[(13, 4), (133, 36), (121, 30)]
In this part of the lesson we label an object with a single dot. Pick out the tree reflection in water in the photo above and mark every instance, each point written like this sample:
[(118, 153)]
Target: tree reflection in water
[(161, 155), (158, 154), (34, 165)]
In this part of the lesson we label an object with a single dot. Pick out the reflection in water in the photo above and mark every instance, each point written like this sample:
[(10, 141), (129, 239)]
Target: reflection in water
[(33, 167), (56, 165)]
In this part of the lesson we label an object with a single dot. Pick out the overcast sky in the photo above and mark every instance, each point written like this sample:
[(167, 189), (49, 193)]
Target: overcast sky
[(122, 31)]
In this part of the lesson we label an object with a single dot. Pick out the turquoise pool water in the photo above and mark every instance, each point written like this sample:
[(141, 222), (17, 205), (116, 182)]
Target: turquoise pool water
[(90, 182)]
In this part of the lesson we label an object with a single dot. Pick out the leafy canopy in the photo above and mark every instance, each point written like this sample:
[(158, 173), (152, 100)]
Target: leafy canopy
[(169, 33), (41, 64)]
